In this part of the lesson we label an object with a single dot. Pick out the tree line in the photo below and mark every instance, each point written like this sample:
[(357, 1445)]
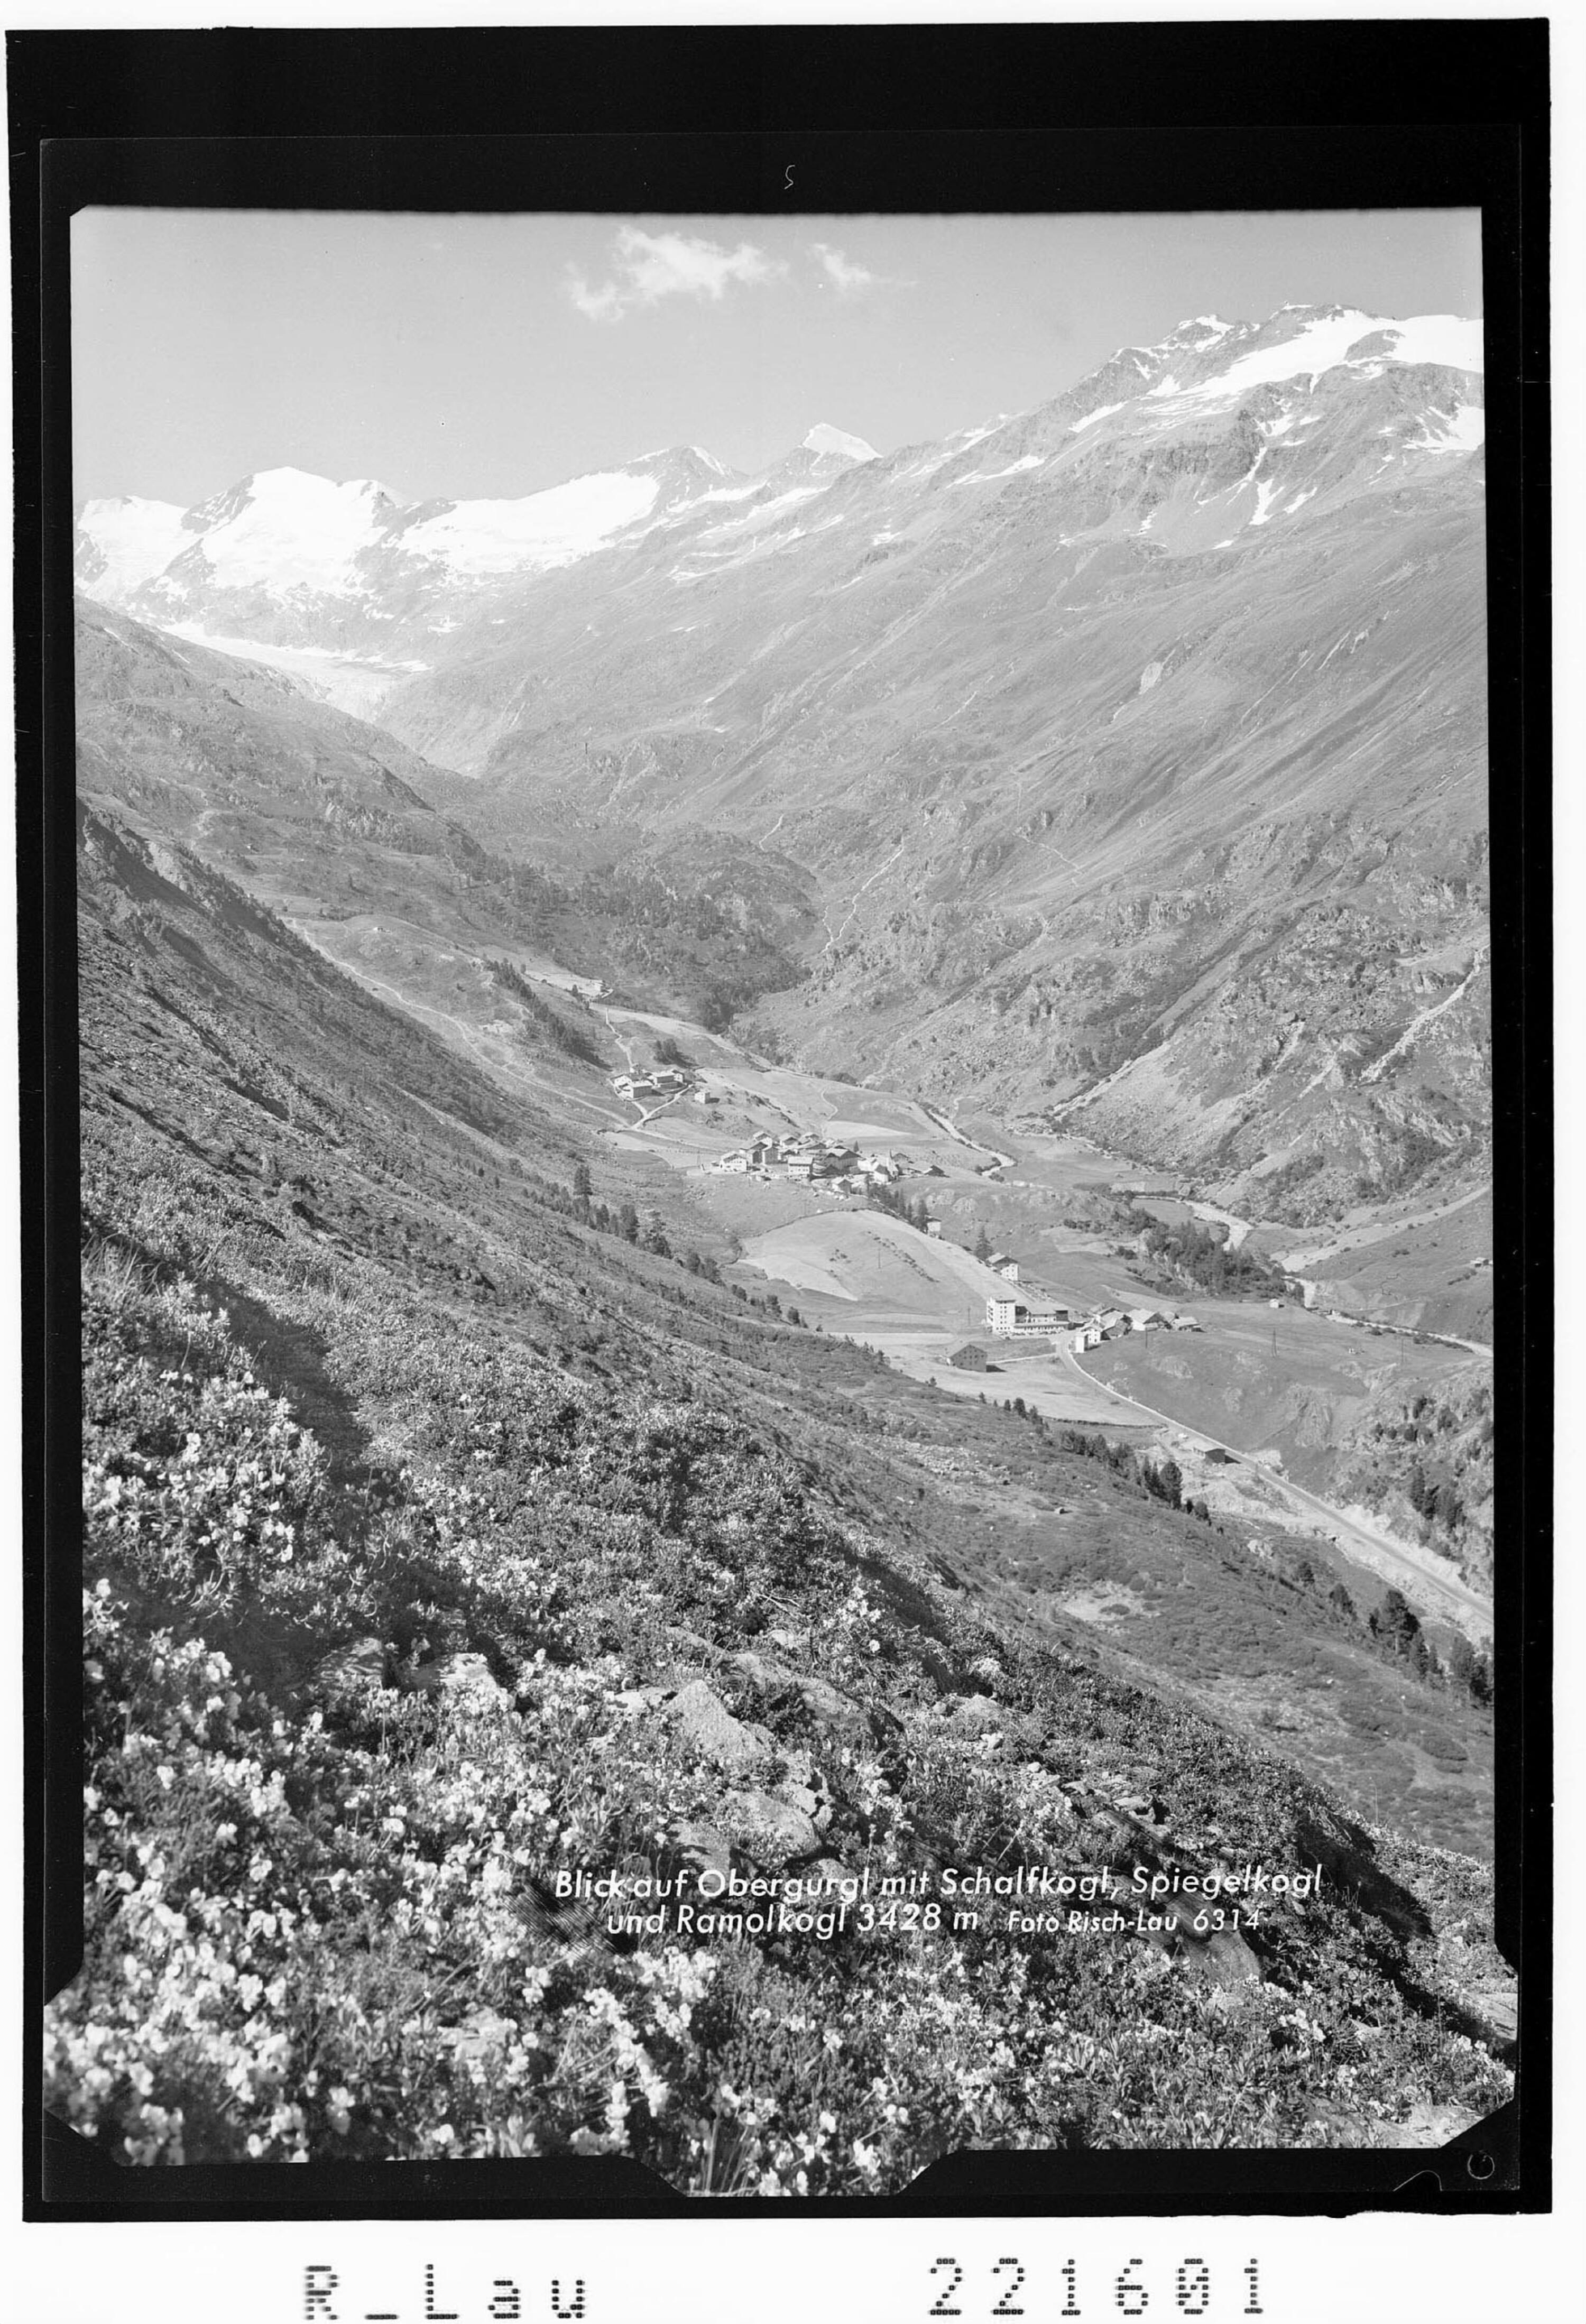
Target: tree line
[(1194, 1250)]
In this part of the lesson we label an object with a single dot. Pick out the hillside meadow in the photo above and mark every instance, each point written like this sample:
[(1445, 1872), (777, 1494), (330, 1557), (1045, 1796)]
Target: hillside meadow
[(443, 1540)]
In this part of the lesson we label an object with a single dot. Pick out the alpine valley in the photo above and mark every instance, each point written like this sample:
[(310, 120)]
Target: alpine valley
[(1128, 756), (595, 1009)]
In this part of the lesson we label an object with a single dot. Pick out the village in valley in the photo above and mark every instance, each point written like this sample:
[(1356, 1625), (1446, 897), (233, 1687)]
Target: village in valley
[(1035, 1279), (847, 1172)]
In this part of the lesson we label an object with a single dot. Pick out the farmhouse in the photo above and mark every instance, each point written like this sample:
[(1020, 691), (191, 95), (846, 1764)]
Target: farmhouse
[(1089, 1335), (1148, 1319), (735, 1162), (1000, 1264), (971, 1357)]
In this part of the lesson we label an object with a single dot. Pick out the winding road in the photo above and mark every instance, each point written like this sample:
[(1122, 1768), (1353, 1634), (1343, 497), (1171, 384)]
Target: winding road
[(1432, 1581)]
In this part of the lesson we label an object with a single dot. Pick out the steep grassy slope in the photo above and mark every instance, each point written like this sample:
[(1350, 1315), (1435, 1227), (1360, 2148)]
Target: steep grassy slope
[(439, 1544)]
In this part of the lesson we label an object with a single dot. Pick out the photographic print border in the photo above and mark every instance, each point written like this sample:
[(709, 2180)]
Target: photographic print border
[(236, 120)]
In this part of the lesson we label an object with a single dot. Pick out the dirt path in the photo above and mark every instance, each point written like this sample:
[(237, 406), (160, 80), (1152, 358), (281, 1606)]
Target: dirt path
[(620, 1039), (1374, 1231)]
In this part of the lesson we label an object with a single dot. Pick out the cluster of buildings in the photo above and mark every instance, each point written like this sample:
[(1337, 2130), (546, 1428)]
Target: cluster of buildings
[(828, 1162), (1117, 1323), (661, 1082), (1011, 1319)]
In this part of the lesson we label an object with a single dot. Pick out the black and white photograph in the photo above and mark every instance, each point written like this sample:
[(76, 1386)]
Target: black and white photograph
[(785, 1052)]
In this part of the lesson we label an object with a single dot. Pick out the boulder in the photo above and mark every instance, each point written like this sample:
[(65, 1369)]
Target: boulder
[(712, 1732), (761, 1671), (773, 1830), (1222, 1958), (701, 1848)]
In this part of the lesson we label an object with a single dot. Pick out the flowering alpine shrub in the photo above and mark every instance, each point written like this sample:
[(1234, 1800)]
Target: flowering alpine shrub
[(331, 1921)]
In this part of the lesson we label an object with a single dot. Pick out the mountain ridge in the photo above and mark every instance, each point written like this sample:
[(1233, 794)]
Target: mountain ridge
[(126, 546), (1134, 744)]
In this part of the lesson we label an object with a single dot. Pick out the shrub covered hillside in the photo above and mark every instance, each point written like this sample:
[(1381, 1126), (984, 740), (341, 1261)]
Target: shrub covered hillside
[(1426, 1462), (438, 1547)]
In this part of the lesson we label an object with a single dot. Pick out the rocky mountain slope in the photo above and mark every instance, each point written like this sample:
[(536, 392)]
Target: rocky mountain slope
[(1134, 746), (330, 821)]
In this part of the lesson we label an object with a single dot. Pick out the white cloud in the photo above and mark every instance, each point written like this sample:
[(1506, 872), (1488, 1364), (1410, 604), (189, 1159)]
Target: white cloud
[(650, 267), (846, 272)]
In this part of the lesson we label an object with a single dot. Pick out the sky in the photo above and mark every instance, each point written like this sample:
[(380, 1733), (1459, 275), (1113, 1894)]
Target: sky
[(463, 357)]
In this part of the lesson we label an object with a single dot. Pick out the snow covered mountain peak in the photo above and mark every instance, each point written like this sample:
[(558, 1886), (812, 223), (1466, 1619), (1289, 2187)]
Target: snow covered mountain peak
[(1178, 448), (125, 542), (1311, 340), (288, 542), (824, 439), (1208, 366)]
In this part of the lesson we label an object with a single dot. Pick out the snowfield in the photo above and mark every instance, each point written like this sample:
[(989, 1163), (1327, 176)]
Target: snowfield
[(136, 538), (1326, 340), (546, 529)]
